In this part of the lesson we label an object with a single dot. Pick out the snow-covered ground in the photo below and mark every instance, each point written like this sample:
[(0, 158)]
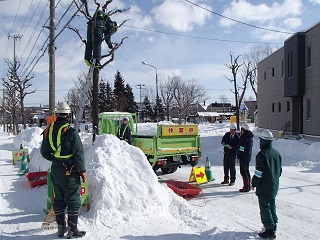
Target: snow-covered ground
[(128, 201)]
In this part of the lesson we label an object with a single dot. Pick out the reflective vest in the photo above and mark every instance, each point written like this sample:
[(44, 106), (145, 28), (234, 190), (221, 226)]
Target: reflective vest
[(57, 150), (121, 135)]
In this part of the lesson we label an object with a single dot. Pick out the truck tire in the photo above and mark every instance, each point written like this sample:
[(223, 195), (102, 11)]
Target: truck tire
[(166, 170)]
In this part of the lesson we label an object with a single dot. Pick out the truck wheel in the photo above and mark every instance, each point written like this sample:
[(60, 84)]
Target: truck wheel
[(167, 170), (174, 169)]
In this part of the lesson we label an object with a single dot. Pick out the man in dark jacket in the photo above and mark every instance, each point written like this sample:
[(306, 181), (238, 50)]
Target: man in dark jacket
[(124, 132), (244, 155), (99, 28), (266, 181), (63, 147), (230, 145)]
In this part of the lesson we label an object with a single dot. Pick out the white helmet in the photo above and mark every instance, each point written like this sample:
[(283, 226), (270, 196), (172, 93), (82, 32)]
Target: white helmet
[(245, 126), (233, 126), (63, 108), (267, 135)]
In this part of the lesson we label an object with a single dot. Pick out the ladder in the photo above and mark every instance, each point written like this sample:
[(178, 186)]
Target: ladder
[(84, 96)]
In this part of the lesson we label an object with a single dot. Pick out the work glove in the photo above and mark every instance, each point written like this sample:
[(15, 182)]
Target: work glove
[(84, 176)]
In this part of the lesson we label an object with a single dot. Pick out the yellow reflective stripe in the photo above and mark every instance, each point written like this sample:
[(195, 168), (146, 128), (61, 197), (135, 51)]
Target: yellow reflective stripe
[(121, 136), (57, 152), (50, 137)]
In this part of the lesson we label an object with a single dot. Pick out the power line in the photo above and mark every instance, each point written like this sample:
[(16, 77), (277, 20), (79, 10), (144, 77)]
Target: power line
[(15, 17), (197, 37), (25, 18), (237, 21)]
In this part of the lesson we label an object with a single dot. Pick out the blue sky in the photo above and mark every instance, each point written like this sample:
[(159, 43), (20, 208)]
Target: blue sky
[(194, 42)]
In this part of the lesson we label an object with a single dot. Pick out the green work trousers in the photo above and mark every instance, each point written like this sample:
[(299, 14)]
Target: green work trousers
[(268, 213), (94, 43), (66, 192)]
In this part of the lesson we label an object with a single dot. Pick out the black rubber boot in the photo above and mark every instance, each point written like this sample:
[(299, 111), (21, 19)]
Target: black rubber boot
[(73, 231), (268, 234), (60, 219)]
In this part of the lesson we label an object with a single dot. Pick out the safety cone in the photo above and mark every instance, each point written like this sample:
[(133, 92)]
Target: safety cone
[(208, 171), (24, 167)]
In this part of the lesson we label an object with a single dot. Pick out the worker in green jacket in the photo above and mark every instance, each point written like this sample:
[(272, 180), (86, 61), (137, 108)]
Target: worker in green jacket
[(99, 28), (63, 147), (266, 181)]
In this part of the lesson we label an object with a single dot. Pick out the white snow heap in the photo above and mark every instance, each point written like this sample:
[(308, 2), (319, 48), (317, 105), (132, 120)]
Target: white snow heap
[(122, 185)]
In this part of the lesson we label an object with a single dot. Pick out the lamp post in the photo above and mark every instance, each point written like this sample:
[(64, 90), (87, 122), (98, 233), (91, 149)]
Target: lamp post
[(157, 97)]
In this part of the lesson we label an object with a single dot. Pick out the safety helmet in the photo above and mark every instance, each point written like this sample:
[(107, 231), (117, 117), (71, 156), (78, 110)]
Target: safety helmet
[(267, 135), (63, 108), (233, 126), (245, 126)]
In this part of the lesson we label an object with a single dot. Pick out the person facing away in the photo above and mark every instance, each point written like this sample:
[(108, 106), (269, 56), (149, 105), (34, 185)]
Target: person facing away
[(63, 147), (244, 156), (124, 132), (230, 146), (266, 181), (100, 27)]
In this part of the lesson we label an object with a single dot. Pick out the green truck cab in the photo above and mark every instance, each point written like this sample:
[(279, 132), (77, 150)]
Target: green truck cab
[(172, 145)]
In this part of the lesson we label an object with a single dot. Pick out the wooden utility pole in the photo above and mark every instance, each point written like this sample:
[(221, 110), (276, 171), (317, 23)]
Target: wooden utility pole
[(52, 59)]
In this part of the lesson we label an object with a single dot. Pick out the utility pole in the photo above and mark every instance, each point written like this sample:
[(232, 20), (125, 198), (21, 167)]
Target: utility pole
[(14, 80), (52, 59), (140, 87), (14, 48)]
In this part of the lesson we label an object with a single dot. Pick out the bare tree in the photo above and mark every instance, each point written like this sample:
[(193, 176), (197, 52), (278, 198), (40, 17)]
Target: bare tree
[(73, 97), (18, 88), (187, 96), (255, 55), (167, 93), (223, 99), (234, 66)]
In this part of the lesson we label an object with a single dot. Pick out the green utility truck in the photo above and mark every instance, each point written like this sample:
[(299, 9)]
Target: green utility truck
[(170, 147)]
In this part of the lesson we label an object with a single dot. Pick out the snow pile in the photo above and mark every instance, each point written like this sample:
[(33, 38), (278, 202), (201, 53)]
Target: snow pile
[(123, 186), (29, 138)]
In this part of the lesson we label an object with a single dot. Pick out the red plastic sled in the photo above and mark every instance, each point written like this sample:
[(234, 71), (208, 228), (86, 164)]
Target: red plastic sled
[(37, 178), (183, 189)]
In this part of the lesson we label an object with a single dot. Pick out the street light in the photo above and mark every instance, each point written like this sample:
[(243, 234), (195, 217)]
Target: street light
[(157, 97)]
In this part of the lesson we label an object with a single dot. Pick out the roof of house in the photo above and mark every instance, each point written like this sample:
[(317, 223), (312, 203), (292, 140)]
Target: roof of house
[(207, 114)]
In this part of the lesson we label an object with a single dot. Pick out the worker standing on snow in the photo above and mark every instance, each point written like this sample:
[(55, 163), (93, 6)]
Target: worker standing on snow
[(63, 147), (99, 28), (230, 145), (244, 156), (266, 180), (124, 132)]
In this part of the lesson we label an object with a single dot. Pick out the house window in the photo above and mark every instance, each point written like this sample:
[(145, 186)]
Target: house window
[(273, 72), (288, 106), (279, 106), (273, 107), (308, 57), (265, 75), (308, 109), (282, 68)]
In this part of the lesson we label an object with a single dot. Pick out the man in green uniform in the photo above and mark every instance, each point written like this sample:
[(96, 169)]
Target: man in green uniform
[(266, 180), (63, 147), (103, 28)]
